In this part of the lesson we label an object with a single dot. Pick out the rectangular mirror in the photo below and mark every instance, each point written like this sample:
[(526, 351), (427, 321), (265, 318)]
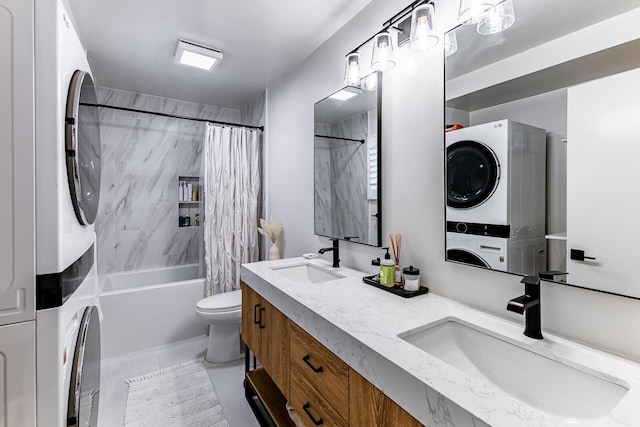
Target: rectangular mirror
[(347, 165), (545, 144)]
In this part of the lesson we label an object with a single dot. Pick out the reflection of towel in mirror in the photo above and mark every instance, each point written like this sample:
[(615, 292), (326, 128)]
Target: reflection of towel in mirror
[(86, 408), (294, 416)]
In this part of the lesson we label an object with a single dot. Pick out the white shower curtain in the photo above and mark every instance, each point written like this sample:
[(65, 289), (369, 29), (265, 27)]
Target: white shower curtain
[(232, 188)]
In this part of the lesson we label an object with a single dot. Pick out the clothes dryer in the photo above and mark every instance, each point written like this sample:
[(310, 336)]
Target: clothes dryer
[(68, 148), (496, 177)]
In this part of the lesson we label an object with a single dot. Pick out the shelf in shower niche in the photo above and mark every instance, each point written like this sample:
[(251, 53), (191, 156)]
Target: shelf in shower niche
[(189, 203), (375, 282)]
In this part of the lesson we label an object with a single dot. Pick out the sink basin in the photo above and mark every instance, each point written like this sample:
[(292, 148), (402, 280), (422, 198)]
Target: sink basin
[(535, 379), (306, 273)]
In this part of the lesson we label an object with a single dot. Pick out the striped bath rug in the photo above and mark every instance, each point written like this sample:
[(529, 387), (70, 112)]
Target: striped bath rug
[(181, 395)]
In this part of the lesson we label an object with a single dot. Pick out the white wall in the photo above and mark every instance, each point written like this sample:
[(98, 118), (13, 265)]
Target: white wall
[(412, 187)]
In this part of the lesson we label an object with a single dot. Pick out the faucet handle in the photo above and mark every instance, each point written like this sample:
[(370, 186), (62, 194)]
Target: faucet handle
[(530, 280)]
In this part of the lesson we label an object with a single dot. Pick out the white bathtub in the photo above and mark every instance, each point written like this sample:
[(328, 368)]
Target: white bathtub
[(144, 309)]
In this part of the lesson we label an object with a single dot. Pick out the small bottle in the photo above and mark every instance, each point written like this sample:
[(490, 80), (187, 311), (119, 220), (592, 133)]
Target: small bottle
[(194, 193), (187, 221), (197, 219), (387, 270), (181, 221), (181, 191), (411, 278), (189, 192)]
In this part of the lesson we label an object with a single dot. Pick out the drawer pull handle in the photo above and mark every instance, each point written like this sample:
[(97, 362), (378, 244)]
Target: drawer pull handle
[(256, 319), (305, 408), (261, 324), (306, 360)]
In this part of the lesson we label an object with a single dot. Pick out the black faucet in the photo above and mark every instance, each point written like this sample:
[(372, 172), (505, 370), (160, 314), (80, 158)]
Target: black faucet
[(529, 305), (336, 252)]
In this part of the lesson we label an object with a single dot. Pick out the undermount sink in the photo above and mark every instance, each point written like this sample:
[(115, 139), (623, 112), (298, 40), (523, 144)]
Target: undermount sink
[(535, 379), (307, 273)]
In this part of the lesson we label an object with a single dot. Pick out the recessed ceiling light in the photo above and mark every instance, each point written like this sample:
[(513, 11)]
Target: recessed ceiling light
[(346, 93), (197, 55)]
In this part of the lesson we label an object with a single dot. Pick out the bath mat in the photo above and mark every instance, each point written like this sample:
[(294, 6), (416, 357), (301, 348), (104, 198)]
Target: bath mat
[(178, 396)]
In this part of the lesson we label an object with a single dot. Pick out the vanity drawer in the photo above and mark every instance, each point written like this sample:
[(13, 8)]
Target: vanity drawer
[(310, 405), (323, 370)]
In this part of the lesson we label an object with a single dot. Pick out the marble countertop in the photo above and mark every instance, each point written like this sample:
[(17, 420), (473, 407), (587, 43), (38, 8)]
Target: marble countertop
[(360, 324)]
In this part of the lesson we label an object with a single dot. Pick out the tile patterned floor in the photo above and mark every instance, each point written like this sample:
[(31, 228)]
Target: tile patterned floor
[(227, 380)]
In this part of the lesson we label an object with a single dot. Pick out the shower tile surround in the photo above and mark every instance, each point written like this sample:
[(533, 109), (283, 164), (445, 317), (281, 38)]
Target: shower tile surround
[(143, 155)]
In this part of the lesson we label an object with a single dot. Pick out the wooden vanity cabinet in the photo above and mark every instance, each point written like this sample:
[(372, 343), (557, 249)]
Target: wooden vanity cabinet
[(321, 387), (265, 330)]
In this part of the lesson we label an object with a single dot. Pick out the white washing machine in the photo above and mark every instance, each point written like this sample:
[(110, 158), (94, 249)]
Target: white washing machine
[(68, 152), (523, 256), (496, 176), (68, 358)]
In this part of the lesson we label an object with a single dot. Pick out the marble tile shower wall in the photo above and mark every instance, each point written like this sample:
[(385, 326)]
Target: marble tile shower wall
[(143, 155)]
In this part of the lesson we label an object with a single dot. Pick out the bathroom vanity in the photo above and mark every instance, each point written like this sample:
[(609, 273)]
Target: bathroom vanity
[(339, 350)]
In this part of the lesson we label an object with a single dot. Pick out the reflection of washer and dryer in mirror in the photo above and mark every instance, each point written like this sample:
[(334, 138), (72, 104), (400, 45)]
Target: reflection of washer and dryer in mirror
[(496, 196), (49, 323)]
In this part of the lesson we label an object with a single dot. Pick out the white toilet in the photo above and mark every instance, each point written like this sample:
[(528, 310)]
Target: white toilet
[(223, 313)]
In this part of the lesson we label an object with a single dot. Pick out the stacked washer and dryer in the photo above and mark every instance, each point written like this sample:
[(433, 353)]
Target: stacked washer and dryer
[(68, 152), (496, 178)]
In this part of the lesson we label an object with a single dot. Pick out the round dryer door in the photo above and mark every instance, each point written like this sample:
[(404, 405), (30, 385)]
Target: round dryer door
[(466, 257), (83, 148), (473, 173), (84, 389)]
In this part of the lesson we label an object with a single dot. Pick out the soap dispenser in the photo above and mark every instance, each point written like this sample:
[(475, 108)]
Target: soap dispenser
[(387, 270)]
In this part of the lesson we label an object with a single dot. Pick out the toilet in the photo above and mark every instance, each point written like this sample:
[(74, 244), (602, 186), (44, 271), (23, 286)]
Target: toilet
[(223, 313)]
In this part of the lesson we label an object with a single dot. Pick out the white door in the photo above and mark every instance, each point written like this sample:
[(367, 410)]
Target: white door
[(17, 206), (18, 375), (603, 164)]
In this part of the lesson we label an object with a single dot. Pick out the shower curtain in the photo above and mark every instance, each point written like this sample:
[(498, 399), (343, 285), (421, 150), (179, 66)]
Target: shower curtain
[(232, 186)]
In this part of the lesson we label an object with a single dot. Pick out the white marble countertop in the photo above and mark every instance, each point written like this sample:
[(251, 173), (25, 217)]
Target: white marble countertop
[(360, 324)]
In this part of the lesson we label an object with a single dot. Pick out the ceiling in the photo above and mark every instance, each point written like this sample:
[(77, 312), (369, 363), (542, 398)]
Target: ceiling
[(131, 44)]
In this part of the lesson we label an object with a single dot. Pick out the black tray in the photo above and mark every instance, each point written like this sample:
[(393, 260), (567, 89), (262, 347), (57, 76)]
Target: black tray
[(375, 281)]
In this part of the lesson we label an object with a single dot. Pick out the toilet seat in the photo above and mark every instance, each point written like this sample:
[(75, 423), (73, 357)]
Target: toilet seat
[(221, 303)]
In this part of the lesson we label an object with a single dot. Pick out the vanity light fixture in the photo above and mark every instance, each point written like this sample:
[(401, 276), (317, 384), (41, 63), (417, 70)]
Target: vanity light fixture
[(352, 70), (382, 59), (450, 43), (423, 35), (498, 19), (472, 12), (197, 55), (346, 93)]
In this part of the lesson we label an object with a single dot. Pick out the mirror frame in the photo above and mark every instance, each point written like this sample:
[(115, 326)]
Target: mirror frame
[(379, 166)]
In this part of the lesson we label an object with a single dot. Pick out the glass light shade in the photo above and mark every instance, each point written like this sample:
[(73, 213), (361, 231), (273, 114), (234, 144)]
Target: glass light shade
[(370, 82), (382, 52), (498, 20), (423, 35), (472, 12), (450, 43), (352, 70)]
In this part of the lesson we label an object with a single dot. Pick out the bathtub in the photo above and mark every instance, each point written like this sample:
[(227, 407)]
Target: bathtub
[(148, 308)]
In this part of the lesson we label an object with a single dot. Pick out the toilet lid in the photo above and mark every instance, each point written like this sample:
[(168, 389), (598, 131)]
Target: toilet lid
[(227, 301)]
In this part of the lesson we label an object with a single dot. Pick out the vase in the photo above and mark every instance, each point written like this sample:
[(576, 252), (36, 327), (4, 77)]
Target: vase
[(274, 252)]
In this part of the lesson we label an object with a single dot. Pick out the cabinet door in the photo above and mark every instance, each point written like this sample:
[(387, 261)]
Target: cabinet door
[(17, 206), (18, 375), (370, 407), (275, 346), (251, 332), (603, 149)]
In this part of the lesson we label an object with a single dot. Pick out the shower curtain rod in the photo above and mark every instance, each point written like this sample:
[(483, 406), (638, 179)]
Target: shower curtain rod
[(361, 141), (173, 116)]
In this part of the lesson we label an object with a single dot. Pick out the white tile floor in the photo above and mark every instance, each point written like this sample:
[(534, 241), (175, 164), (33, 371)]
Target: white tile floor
[(226, 378)]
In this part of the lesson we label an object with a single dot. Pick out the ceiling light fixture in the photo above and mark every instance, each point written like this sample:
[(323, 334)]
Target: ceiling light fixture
[(423, 35), (498, 19), (472, 12), (197, 55)]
